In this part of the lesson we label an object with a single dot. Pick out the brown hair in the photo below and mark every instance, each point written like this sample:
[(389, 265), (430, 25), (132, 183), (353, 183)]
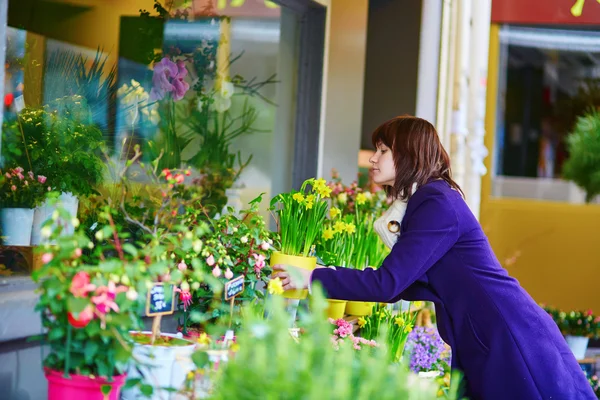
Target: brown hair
[(418, 154)]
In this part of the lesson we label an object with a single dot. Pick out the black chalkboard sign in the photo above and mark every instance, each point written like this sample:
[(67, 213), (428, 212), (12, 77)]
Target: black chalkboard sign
[(160, 300), (234, 287)]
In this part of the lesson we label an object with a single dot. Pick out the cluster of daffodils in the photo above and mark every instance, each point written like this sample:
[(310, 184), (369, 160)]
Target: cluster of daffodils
[(301, 215), (399, 326)]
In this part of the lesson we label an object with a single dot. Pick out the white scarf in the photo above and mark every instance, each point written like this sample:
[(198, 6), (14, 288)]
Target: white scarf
[(388, 225)]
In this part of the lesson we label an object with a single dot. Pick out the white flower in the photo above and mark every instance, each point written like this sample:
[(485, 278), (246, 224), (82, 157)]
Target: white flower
[(132, 294), (197, 245), (244, 239), (221, 104), (200, 105), (75, 222), (99, 235), (227, 89), (46, 232), (342, 198)]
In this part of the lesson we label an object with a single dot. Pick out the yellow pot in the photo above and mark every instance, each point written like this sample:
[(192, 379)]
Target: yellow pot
[(308, 263), (359, 308), (336, 308)]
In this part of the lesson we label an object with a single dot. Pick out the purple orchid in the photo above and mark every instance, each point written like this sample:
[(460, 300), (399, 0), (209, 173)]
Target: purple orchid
[(169, 78)]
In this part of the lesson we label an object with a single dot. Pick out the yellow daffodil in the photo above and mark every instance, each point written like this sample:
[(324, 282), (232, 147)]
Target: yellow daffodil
[(334, 212), (203, 339), (408, 328), (399, 321), (308, 205), (418, 304), (339, 226), (190, 375), (275, 286), (325, 191), (361, 199), (310, 198), (362, 322), (328, 234), (298, 197), (319, 184), (350, 228)]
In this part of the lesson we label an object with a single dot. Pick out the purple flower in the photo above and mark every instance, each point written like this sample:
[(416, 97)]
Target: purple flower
[(169, 78), (428, 351)]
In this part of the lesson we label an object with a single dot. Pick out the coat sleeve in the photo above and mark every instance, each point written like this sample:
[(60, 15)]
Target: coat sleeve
[(431, 230)]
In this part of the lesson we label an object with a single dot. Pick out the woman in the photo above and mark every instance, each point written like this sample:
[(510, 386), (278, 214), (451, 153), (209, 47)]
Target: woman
[(507, 347)]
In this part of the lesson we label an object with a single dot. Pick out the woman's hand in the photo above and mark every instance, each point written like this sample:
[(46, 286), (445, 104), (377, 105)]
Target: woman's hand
[(293, 277)]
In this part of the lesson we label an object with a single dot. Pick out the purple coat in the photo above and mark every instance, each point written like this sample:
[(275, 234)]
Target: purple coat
[(506, 346)]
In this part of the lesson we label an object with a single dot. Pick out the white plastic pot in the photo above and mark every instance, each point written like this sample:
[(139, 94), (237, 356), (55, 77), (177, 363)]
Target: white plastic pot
[(16, 226), (163, 367), (578, 345), (44, 212)]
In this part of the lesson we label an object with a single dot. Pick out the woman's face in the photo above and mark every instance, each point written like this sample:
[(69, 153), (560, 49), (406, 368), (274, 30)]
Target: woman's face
[(384, 171)]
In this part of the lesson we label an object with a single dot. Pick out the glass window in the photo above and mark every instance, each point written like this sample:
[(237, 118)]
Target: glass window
[(547, 78), (203, 84)]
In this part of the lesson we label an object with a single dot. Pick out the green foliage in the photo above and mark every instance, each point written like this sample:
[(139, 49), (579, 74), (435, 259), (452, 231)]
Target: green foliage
[(575, 323), (64, 148), (583, 165), (301, 216), (271, 364)]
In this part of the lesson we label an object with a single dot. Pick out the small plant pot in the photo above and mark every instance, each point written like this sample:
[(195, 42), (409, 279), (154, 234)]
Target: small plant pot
[(336, 308), (359, 308), (16, 226), (81, 387), (44, 212), (308, 263), (164, 365), (578, 345)]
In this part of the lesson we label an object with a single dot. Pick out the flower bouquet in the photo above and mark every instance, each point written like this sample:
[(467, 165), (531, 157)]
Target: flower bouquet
[(20, 193), (577, 327), (300, 217)]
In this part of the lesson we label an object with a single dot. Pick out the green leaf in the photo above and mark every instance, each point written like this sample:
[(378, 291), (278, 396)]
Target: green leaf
[(56, 333), (131, 383), (146, 390), (91, 348), (200, 359), (129, 248)]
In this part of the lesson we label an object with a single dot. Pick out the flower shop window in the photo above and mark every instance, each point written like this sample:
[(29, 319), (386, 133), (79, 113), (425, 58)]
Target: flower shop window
[(548, 77), (226, 88)]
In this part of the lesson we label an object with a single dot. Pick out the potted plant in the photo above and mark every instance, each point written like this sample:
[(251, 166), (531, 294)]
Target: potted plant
[(583, 164), (88, 303), (236, 245), (63, 146), (20, 193), (300, 216), (577, 327)]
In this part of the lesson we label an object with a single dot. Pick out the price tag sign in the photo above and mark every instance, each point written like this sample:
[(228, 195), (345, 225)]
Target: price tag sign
[(234, 287), (160, 300)]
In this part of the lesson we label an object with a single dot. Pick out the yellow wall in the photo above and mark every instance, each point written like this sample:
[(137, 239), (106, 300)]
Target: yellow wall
[(552, 248)]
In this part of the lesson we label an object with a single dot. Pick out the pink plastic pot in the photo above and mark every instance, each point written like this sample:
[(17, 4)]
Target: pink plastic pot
[(81, 387)]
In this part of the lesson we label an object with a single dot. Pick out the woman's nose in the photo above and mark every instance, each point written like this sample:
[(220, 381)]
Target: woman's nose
[(373, 159)]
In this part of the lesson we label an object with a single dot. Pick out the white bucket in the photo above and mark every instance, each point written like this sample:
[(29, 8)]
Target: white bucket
[(16, 226), (578, 345), (163, 367)]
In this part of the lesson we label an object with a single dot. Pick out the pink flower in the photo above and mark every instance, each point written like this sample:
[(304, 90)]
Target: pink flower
[(42, 179), (179, 178), (185, 296), (13, 188), (80, 285), (47, 257), (18, 170), (49, 189), (259, 263), (104, 298), (30, 175), (7, 175), (265, 246), (228, 273), (26, 183), (210, 261), (77, 253), (182, 266), (216, 271), (21, 176), (169, 78)]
